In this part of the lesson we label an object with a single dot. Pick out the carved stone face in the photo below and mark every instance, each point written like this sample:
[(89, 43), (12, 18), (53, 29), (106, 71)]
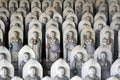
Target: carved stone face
[(68, 4), (79, 55), (26, 56), (72, 18), (52, 34), (36, 4), (117, 27), (57, 5), (56, 19), (46, 5), (32, 71), (51, 13), (92, 70), (2, 4), (88, 8), (45, 20), (2, 56), (70, 34), (61, 71), (24, 5), (88, 34), (107, 34), (35, 34), (100, 26), (15, 34), (4, 71), (13, 5), (103, 55)]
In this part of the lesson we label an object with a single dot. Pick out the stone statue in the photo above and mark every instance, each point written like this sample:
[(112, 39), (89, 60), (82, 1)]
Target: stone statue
[(92, 74), (57, 7), (46, 5), (88, 43), (36, 43), (26, 57), (13, 8), (32, 70), (77, 64), (53, 46), (4, 74), (105, 65), (113, 78), (107, 40), (60, 70), (78, 9), (15, 45), (61, 74), (70, 43), (32, 74)]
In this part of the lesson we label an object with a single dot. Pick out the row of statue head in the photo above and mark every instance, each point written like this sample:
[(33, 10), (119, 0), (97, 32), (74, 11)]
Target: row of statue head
[(24, 6), (60, 70)]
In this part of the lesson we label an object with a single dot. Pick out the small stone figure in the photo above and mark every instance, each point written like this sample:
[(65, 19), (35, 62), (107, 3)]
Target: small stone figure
[(4, 74), (105, 66), (58, 8), (53, 46), (13, 8), (77, 64), (89, 43), (26, 57), (107, 40), (36, 43), (15, 45), (61, 74), (32, 74), (71, 42), (92, 74)]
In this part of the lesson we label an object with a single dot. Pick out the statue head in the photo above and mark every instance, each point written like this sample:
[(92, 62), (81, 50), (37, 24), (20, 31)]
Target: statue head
[(26, 56), (17, 25), (2, 4), (13, 4), (68, 4), (103, 55), (117, 27), (51, 13), (56, 19), (24, 5), (88, 18), (2, 56), (92, 70), (61, 71), (35, 34), (53, 34), (100, 26), (88, 34), (57, 4), (72, 19), (4, 71), (15, 34), (45, 19), (46, 5), (107, 34), (79, 56), (70, 34), (32, 71), (88, 8), (36, 4)]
